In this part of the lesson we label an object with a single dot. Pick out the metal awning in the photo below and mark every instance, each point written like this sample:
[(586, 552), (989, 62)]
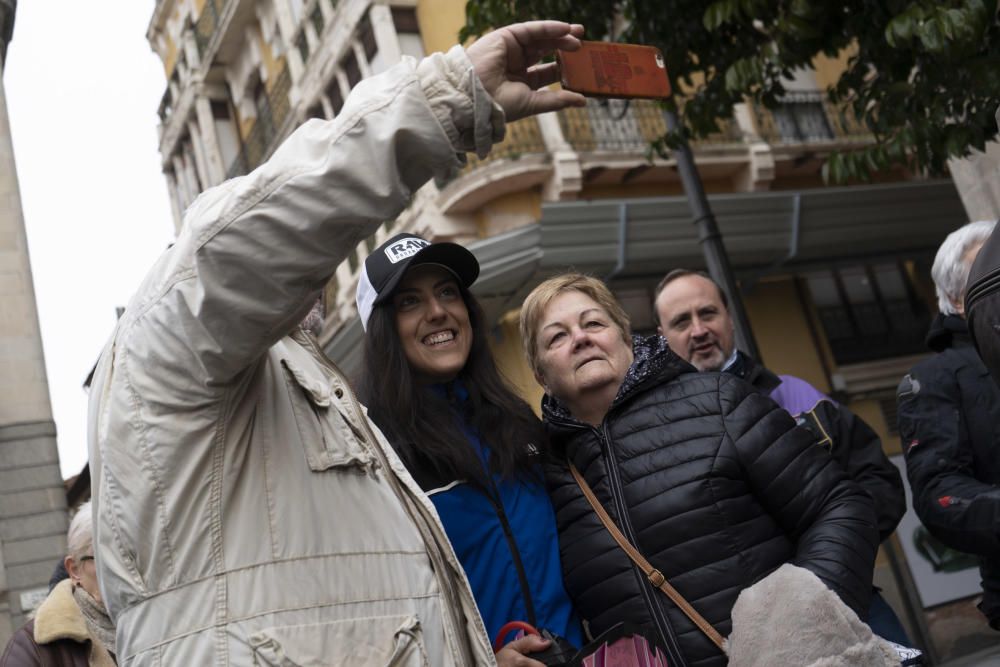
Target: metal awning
[(764, 232)]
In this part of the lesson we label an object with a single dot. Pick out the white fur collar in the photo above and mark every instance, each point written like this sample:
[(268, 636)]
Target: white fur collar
[(59, 617)]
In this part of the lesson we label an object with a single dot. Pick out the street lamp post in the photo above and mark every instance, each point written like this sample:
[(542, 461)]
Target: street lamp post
[(710, 240)]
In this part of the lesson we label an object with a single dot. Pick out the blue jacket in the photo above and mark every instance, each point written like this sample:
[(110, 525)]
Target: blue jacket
[(485, 532)]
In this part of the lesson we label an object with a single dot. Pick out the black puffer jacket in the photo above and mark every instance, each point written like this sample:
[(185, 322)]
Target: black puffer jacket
[(716, 486), (851, 442), (949, 422)]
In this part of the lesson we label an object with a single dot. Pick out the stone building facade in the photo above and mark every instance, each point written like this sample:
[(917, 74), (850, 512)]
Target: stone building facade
[(32, 498)]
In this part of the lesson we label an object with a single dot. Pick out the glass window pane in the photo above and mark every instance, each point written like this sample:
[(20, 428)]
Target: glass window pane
[(857, 285), (890, 282), (823, 289)]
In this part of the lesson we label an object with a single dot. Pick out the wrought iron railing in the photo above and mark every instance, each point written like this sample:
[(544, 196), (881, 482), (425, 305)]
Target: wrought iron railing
[(523, 137), (271, 117), (808, 117), (207, 24), (620, 126)]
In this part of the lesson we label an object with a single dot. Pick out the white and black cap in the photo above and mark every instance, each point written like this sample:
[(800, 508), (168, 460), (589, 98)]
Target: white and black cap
[(384, 268)]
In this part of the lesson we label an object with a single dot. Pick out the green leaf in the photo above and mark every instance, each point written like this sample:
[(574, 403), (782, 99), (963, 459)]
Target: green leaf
[(719, 12)]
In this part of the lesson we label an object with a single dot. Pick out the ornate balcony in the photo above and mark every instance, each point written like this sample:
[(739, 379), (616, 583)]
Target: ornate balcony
[(626, 127), (808, 117), (523, 137), (267, 128)]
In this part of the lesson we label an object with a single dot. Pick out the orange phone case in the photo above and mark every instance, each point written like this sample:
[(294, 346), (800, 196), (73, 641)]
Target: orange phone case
[(607, 69)]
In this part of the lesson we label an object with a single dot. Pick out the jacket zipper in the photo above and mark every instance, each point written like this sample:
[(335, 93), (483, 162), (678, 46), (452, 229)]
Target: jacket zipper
[(667, 637), (654, 604), (515, 553), (436, 558)]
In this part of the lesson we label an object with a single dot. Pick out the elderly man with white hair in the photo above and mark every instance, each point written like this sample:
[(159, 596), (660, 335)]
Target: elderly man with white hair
[(949, 422), (71, 627)]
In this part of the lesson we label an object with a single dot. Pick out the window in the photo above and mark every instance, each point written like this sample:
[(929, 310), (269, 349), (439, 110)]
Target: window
[(302, 44), (225, 132), (263, 105), (317, 19), (869, 311), (352, 70), (375, 60), (316, 111), (802, 118), (408, 31), (334, 95), (368, 40), (405, 19)]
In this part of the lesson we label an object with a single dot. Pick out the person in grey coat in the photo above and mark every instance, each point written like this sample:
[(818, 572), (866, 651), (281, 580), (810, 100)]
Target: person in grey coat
[(247, 512)]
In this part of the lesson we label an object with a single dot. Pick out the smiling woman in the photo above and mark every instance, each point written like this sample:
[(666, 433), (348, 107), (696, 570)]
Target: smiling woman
[(432, 322), (474, 447)]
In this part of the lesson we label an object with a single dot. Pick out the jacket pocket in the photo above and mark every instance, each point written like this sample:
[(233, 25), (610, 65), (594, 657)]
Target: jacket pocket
[(377, 641), (329, 439)]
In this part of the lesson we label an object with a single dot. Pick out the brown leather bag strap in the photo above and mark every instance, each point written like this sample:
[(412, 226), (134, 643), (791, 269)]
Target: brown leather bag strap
[(655, 576)]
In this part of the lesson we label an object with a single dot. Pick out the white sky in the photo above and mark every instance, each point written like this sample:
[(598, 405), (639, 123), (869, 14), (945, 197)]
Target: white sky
[(82, 90)]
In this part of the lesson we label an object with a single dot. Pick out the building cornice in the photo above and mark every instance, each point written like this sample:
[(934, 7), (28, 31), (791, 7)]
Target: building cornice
[(159, 19), (7, 10)]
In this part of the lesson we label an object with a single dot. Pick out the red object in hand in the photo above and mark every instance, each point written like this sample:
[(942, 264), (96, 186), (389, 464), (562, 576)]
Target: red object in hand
[(506, 629)]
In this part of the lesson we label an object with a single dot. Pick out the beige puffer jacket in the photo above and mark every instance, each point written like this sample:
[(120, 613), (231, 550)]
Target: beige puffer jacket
[(246, 510)]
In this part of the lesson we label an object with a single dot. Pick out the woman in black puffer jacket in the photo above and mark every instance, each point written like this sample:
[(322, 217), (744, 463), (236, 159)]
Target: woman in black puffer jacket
[(710, 480)]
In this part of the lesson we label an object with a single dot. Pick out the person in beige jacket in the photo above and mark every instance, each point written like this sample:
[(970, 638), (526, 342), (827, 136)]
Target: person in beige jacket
[(247, 512)]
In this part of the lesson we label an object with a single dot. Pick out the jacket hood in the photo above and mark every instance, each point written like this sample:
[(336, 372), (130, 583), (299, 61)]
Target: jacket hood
[(947, 331), (653, 363)]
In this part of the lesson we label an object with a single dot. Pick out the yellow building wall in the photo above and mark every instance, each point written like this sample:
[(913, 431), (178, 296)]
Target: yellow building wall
[(782, 331), (440, 21), (170, 58), (508, 212), (871, 412), (271, 65), (506, 347), (828, 70)]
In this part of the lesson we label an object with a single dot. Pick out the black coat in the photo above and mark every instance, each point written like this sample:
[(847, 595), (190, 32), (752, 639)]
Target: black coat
[(851, 442), (949, 422), (716, 486)]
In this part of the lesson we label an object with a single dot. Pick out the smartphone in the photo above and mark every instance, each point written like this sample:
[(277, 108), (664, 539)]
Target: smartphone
[(607, 69)]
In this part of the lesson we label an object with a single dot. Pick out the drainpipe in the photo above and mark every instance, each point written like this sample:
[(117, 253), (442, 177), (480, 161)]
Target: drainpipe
[(710, 240), (622, 242)]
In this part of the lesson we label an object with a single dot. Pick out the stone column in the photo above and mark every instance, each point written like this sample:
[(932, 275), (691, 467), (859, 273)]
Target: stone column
[(216, 170), (32, 497), (976, 178)]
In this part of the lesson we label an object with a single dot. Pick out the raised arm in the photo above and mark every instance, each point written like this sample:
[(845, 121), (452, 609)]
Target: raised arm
[(255, 251)]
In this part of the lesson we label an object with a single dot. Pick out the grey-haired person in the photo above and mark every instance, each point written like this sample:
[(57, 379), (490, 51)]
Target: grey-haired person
[(948, 408), (71, 627)]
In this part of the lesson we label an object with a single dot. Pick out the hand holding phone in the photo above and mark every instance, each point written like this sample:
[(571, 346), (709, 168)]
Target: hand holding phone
[(608, 69)]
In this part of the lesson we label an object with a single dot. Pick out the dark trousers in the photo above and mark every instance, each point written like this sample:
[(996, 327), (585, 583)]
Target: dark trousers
[(884, 622)]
